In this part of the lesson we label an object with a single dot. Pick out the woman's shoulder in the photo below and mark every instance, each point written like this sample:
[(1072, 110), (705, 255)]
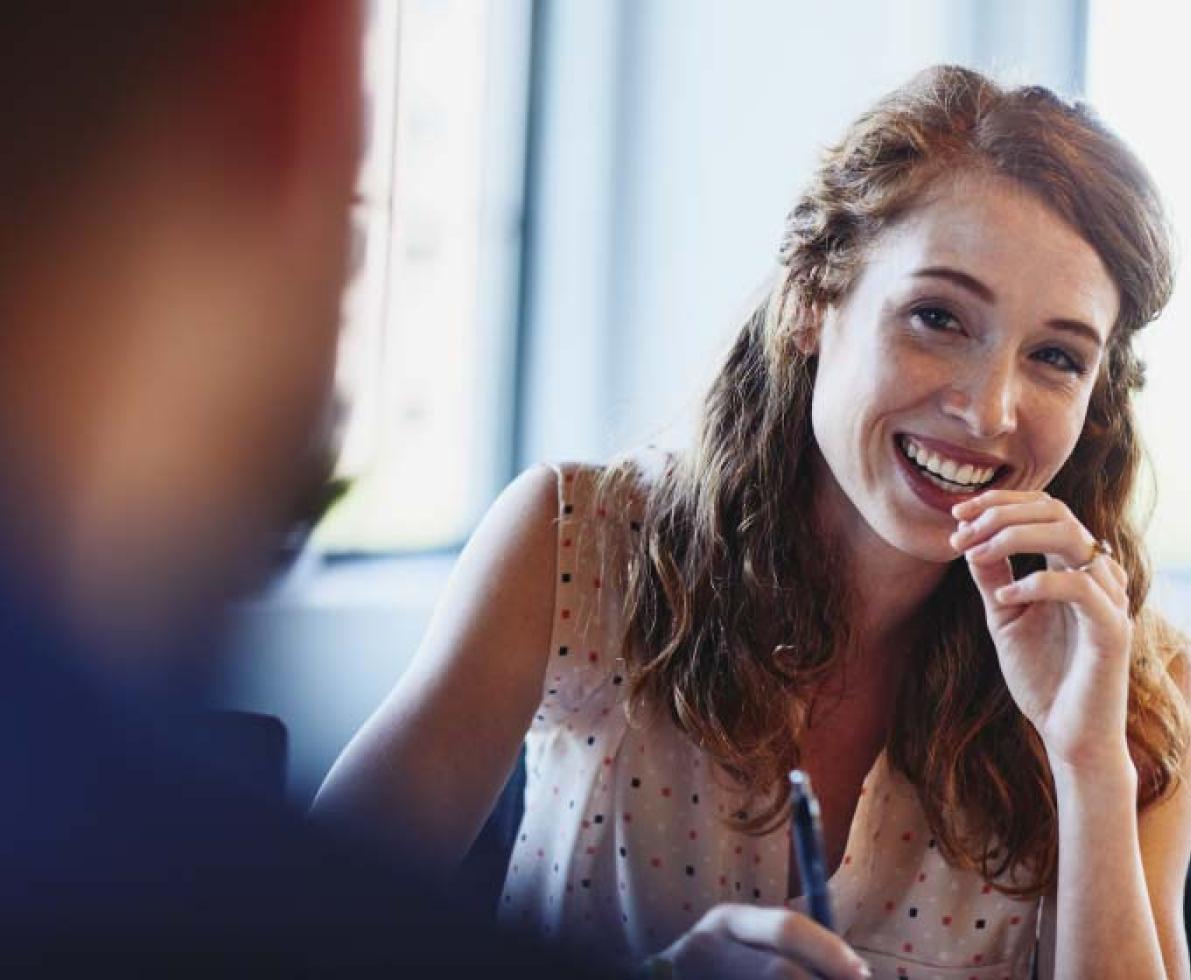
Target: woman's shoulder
[(617, 489)]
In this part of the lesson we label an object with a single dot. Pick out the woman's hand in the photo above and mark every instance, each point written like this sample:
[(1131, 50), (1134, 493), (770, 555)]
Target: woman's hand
[(1063, 635), (745, 941)]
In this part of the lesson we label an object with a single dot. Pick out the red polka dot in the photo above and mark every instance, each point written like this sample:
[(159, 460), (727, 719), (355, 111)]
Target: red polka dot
[(566, 614), (723, 880), (655, 862), (908, 835), (665, 791), (593, 656), (907, 947), (978, 958), (888, 906), (591, 850), (586, 824), (566, 542), (986, 889), (1014, 920), (693, 835), (595, 583), (756, 859), (601, 512), (922, 876), (739, 849), (628, 818), (946, 920), (607, 761)]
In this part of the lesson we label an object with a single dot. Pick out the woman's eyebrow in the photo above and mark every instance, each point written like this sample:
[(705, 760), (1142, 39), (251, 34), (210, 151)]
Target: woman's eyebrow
[(985, 293), (968, 282)]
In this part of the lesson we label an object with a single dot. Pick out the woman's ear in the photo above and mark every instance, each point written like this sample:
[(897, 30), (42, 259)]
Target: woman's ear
[(807, 332)]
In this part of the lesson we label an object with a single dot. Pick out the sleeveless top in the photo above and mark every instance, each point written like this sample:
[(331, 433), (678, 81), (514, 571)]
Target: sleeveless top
[(624, 843)]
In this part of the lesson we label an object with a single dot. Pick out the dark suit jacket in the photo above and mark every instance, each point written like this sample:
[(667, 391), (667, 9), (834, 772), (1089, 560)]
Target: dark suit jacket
[(123, 848)]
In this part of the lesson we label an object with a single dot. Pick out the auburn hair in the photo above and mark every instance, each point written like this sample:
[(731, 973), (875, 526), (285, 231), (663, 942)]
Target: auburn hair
[(737, 603)]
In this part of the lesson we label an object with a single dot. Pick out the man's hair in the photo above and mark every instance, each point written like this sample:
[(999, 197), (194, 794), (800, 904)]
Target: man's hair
[(72, 71)]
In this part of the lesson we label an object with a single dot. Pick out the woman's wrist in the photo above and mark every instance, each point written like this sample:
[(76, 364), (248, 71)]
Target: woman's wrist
[(1108, 770)]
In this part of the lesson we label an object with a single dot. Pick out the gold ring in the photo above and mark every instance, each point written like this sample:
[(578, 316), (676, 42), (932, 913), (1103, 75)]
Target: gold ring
[(1099, 547)]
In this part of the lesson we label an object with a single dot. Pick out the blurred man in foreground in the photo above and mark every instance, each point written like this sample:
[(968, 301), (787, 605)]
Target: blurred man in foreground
[(174, 194)]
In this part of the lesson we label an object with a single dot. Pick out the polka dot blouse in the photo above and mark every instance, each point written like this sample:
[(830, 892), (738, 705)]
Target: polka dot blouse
[(624, 843)]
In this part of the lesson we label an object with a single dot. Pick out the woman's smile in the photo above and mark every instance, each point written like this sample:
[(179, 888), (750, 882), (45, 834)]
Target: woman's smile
[(942, 474)]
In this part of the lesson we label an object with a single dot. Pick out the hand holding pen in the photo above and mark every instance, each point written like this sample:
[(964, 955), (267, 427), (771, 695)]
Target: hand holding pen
[(747, 941)]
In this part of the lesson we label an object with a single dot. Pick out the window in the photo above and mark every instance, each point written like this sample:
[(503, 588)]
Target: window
[(1138, 74), (427, 356)]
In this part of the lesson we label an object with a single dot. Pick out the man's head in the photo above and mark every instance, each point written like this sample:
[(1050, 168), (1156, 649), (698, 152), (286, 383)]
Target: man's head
[(173, 235)]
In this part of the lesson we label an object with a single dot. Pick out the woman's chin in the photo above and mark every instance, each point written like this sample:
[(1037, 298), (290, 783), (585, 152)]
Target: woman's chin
[(933, 548)]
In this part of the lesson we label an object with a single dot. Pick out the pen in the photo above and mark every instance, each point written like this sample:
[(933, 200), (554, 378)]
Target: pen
[(806, 845)]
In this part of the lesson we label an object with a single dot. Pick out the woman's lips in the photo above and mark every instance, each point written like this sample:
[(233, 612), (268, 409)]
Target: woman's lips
[(929, 492), (950, 451)]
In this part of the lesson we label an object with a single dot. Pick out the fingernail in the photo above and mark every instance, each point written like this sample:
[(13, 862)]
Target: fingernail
[(1006, 592), (863, 970)]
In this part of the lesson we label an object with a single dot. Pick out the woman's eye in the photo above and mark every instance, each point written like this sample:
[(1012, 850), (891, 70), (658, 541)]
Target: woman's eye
[(1058, 358), (935, 318)]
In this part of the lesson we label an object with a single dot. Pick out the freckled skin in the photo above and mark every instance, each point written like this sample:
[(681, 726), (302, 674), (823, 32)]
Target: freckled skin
[(992, 375)]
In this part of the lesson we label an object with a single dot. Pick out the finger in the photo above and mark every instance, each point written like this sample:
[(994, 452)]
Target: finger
[(730, 959), (989, 577), (1105, 571), (1064, 542), (793, 935), (1078, 588), (970, 509), (1118, 571), (1044, 510)]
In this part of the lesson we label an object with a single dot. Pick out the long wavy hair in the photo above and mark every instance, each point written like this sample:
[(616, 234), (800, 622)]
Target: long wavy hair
[(737, 603)]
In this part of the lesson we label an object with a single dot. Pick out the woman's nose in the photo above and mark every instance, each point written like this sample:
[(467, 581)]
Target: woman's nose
[(985, 400)]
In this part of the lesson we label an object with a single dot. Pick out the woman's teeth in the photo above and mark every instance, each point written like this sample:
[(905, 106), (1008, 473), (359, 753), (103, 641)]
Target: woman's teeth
[(946, 473)]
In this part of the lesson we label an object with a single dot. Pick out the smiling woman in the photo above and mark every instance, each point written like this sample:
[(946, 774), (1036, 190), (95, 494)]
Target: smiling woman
[(897, 556)]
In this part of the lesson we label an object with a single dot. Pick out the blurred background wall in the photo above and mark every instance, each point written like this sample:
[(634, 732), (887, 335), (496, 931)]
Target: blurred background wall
[(565, 208)]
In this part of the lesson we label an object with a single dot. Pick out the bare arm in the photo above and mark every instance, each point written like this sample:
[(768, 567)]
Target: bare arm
[(423, 772), (1120, 894)]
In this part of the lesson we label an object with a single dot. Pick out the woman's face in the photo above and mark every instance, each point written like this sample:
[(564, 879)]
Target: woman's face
[(970, 341)]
